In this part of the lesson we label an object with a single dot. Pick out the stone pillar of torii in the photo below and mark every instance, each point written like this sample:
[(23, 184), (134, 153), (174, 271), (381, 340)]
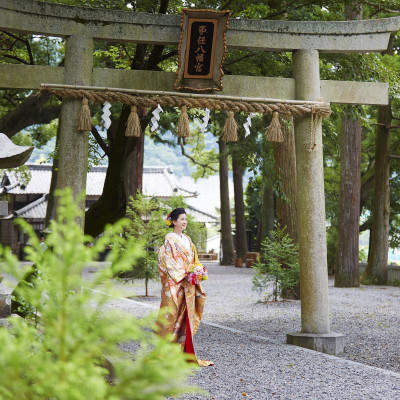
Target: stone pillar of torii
[(80, 26)]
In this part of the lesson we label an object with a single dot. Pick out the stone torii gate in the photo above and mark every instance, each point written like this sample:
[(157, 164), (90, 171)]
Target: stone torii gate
[(80, 26)]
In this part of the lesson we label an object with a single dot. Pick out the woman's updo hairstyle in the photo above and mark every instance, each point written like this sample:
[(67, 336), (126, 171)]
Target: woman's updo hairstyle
[(174, 215)]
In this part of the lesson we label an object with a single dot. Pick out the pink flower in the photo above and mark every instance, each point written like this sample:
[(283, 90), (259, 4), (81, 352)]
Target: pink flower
[(197, 274)]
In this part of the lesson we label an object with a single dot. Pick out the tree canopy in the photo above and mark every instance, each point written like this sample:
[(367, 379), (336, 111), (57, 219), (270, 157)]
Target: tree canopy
[(31, 120)]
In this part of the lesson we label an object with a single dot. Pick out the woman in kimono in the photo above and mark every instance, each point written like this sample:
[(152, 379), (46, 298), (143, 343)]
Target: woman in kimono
[(182, 296)]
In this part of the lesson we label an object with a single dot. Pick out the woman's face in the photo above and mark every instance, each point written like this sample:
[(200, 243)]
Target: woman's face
[(181, 222)]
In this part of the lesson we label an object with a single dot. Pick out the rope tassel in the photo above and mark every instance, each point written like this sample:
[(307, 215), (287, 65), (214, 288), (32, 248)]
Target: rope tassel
[(274, 131), (133, 124), (85, 121), (314, 118), (230, 129), (183, 124)]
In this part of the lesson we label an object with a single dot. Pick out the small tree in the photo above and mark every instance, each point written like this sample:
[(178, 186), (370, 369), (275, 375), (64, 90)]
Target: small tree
[(279, 265), (64, 356), (147, 227)]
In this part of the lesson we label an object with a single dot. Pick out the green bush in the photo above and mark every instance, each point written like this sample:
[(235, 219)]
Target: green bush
[(396, 282), (64, 355), (362, 254), (146, 227), (279, 265)]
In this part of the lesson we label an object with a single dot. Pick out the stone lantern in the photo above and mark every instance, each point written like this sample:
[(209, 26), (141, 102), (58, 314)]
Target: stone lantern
[(11, 156)]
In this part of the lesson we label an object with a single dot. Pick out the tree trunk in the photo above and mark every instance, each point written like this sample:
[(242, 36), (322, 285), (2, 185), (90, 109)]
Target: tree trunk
[(285, 168), (286, 207), (367, 185), (29, 112), (347, 264), (267, 207), (134, 164), (241, 240), (228, 251), (51, 200), (353, 9), (267, 212), (347, 268), (376, 270), (111, 205)]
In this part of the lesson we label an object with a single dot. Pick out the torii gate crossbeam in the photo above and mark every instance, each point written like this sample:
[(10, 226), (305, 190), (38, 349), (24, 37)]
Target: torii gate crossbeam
[(80, 26)]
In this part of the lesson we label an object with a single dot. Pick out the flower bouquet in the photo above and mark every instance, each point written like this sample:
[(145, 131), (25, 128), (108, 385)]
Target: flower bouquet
[(197, 274)]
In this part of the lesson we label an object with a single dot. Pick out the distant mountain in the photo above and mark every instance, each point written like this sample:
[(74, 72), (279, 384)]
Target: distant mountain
[(161, 154)]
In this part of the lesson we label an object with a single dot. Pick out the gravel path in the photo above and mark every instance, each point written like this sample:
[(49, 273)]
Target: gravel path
[(369, 316), (269, 369), (251, 359)]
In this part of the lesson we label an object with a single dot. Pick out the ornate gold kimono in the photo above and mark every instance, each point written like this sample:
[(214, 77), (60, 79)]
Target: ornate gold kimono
[(184, 300)]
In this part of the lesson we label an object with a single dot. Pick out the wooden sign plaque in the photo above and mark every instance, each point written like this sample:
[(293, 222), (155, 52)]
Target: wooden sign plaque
[(202, 48)]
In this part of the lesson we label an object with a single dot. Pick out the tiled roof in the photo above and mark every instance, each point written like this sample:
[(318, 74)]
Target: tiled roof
[(201, 216), (157, 182), (37, 211), (34, 210), (161, 182), (39, 182)]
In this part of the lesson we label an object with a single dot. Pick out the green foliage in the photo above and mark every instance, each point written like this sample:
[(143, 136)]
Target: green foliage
[(94, 156), (29, 49), (37, 135), (22, 172), (120, 55), (253, 197), (396, 282), (368, 280), (204, 155), (255, 11), (148, 229), (200, 149), (373, 67), (279, 265), (362, 254), (65, 356)]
